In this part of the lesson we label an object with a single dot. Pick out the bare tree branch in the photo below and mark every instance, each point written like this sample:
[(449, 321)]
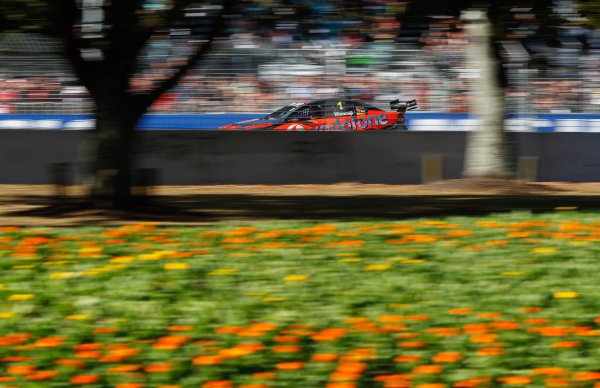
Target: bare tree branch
[(146, 100)]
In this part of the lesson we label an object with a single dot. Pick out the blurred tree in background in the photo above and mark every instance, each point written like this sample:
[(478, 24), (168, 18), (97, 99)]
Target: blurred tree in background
[(108, 44), (128, 53)]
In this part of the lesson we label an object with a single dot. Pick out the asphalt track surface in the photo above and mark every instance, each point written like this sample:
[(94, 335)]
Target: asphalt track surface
[(45, 205)]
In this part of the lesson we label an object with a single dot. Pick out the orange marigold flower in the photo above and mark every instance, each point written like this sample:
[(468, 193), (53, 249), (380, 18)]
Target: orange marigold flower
[(531, 309), (536, 321), (290, 365), (180, 328), (264, 375), (217, 384), (16, 358), (460, 311), (286, 338), (390, 318), (412, 344), (207, 360), (431, 385), (472, 382), (286, 349), (341, 384), (89, 354), (263, 326), (84, 379), (558, 382), (490, 351), (129, 385), (483, 338), (407, 335), (42, 375), (344, 376), (346, 243), (88, 346), (324, 357), (254, 386), (428, 369), (20, 369), (394, 377), (124, 368), (73, 363), (516, 380), (228, 329), (505, 325), (476, 328), (49, 342), (565, 344), (397, 384), (459, 233), (489, 315), (407, 358), (586, 376), (550, 371), (496, 242), (444, 331), (105, 330), (447, 357), (157, 368), (352, 367)]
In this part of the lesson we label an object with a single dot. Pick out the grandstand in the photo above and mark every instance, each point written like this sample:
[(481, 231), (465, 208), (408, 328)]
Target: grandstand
[(258, 69)]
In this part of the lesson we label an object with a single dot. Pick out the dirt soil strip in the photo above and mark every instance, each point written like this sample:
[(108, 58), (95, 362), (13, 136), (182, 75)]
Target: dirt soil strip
[(47, 205)]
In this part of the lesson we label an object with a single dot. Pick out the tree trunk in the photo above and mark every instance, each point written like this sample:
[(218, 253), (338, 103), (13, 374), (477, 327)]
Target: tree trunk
[(488, 153), (112, 146)]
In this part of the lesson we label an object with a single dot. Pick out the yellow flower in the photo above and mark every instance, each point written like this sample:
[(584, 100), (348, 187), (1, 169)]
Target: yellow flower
[(113, 267), (176, 266), (544, 250), (122, 259), (273, 299), (78, 316), (566, 295), (350, 260), (412, 261), (398, 305), (7, 314), (566, 208), (223, 271), (21, 296), (93, 249), (61, 275), (377, 267), (511, 273), (295, 278)]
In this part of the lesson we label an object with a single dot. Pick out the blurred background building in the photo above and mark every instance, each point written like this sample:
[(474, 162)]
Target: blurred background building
[(277, 52)]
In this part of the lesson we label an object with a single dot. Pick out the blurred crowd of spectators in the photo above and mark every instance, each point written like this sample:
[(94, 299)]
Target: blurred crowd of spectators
[(277, 53)]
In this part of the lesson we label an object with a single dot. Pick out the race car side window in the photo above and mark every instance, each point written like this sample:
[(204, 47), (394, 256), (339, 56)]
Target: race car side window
[(339, 108), (309, 112)]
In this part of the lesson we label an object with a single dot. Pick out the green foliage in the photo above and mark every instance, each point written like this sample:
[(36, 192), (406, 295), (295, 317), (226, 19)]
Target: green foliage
[(441, 301)]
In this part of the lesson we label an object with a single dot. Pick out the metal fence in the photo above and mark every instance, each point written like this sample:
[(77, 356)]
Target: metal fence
[(260, 79)]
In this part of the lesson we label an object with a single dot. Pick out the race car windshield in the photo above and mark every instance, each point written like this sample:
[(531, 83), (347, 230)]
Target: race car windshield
[(279, 113)]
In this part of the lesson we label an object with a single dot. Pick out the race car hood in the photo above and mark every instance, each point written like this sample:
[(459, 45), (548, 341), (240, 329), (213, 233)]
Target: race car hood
[(261, 123)]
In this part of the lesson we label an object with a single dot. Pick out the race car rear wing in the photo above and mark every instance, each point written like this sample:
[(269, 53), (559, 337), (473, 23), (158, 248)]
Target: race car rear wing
[(403, 106)]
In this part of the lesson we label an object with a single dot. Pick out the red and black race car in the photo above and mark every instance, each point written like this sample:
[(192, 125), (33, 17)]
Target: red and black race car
[(330, 115)]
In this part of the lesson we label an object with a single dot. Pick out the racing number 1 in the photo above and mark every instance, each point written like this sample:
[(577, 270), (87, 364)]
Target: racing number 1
[(340, 105)]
